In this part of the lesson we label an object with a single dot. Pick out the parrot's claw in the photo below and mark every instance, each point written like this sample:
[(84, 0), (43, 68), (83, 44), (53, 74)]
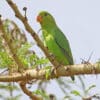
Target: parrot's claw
[(51, 55), (54, 70)]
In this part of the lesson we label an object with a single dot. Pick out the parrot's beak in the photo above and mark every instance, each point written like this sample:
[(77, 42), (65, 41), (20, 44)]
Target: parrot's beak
[(39, 19)]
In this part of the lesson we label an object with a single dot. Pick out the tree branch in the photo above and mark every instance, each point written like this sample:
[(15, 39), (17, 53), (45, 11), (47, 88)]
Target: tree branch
[(29, 93), (69, 70)]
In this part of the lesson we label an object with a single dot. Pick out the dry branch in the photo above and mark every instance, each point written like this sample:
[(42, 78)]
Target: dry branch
[(69, 70)]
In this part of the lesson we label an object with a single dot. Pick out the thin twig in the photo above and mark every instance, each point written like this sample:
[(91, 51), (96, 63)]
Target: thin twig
[(29, 93)]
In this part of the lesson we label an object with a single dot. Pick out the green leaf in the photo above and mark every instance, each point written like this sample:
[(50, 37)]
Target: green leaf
[(89, 88), (14, 98), (42, 61), (42, 93), (67, 98), (48, 71), (25, 55), (24, 49), (8, 87), (76, 93), (5, 60)]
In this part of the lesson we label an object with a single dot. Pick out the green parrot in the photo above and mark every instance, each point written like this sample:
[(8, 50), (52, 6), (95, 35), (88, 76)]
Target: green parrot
[(55, 40)]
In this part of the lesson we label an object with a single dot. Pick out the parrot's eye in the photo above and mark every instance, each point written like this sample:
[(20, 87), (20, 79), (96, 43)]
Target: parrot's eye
[(45, 14)]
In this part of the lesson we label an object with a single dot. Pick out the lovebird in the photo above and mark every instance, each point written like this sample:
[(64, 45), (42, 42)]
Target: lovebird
[(55, 40)]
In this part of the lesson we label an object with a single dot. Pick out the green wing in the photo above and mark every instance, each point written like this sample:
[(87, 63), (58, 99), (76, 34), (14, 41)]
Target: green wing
[(63, 44)]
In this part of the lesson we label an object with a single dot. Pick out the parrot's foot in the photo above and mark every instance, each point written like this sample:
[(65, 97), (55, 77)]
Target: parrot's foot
[(51, 55), (54, 70)]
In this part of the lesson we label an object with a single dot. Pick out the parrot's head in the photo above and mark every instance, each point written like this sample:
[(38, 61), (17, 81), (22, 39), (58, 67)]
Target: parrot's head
[(45, 19)]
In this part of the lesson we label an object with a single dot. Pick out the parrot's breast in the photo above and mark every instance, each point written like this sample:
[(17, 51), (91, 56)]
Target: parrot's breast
[(55, 50)]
